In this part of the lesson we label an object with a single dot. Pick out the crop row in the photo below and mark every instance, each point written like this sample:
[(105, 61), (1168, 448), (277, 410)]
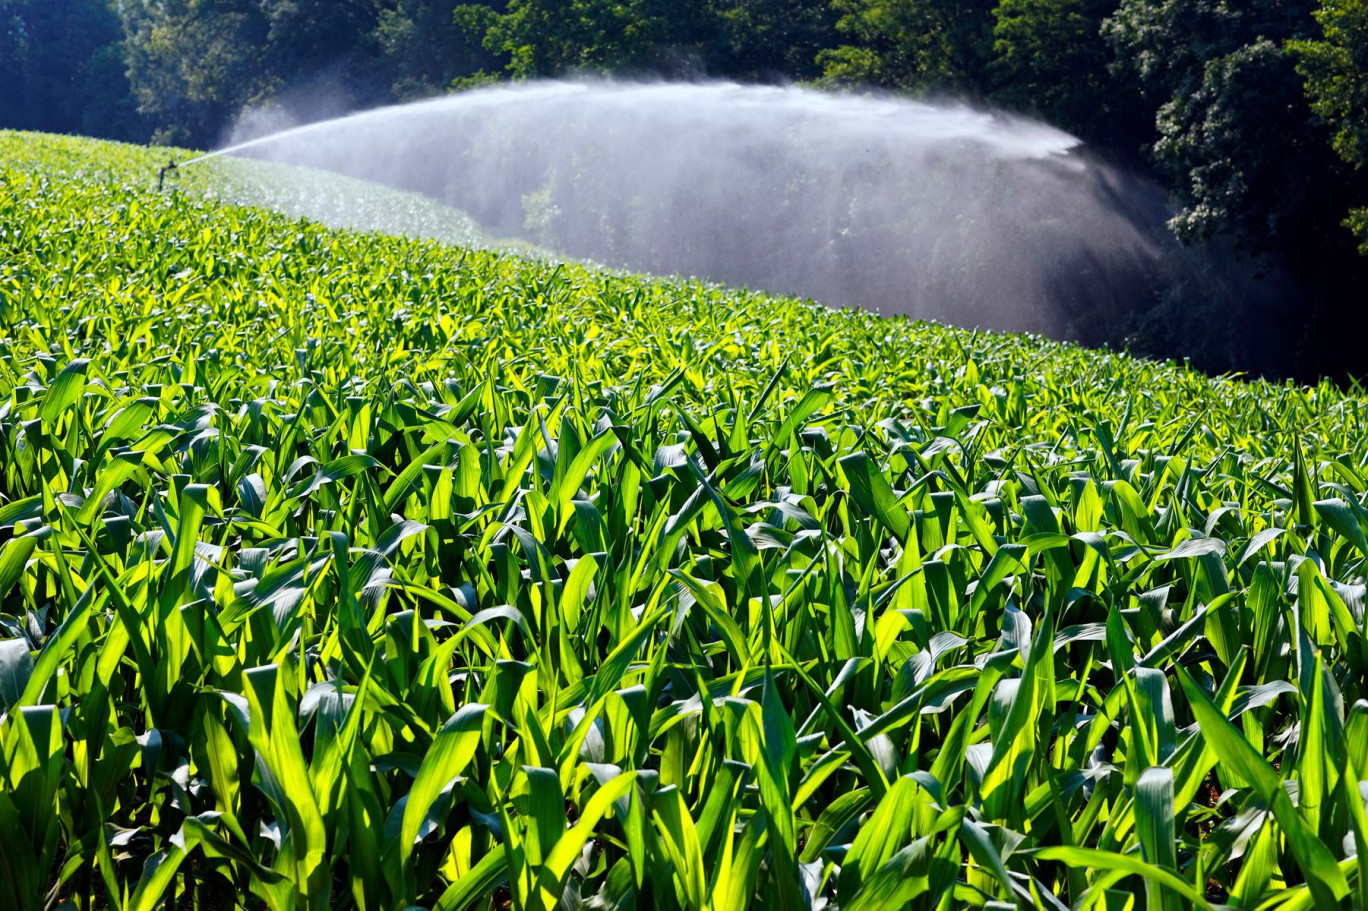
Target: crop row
[(345, 570)]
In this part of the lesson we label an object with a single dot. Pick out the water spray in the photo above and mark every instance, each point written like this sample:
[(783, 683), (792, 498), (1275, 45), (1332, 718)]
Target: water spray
[(930, 210)]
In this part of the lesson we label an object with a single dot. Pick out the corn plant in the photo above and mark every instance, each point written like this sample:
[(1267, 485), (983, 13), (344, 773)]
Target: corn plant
[(344, 570)]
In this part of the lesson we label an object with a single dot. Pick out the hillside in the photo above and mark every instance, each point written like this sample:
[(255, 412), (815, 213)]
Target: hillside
[(345, 569)]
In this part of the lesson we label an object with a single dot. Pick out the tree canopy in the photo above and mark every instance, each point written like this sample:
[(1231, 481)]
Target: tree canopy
[(1335, 66)]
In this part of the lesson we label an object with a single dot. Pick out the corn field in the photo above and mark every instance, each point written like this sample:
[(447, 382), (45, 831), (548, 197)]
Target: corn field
[(344, 570)]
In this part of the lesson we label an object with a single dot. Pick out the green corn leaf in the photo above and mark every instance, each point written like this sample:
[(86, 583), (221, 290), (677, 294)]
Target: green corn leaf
[(872, 492), (16, 669), (680, 838), (14, 559), (65, 390), (1338, 516), (284, 775), (159, 871), (1125, 864), (1323, 876), (887, 831), (1155, 825), (478, 883), (451, 751), (551, 875)]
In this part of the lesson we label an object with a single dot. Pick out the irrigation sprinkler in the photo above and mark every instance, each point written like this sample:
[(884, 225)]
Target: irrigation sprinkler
[(161, 174)]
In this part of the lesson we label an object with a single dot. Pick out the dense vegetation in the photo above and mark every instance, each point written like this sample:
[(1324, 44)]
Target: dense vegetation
[(344, 570), (1252, 114)]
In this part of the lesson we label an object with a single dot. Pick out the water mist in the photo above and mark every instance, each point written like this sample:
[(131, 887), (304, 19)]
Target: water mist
[(904, 207)]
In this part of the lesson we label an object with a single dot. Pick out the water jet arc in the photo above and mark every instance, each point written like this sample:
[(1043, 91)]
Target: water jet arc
[(943, 211)]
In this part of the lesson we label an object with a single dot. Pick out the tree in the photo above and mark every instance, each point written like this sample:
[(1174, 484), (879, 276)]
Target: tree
[(1235, 135), (941, 45), (1051, 59), (308, 34), (197, 64), (194, 64), (423, 50), (326, 54), (759, 40), (1335, 67), (1245, 155), (748, 39), (54, 68), (551, 37)]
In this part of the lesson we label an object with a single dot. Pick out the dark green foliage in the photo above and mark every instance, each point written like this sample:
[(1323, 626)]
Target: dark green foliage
[(1235, 134), (1051, 59), (552, 37), (769, 39), (1242, 142), (1334, 64), (1245, 155), (940, 45), (751, 39), (423, 48), (194, 64), (61, 68)]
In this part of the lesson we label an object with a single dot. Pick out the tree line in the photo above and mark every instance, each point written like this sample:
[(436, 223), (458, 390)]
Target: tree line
[(1254, 115)]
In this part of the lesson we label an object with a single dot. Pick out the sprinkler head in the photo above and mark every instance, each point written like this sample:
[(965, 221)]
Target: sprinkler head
[(161, 175)]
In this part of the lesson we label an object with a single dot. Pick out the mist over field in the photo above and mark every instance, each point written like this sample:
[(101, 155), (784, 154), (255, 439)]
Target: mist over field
[(932, 211)]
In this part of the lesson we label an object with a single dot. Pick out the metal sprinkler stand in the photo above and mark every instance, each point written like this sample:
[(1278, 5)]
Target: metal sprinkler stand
[(161, 175)]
